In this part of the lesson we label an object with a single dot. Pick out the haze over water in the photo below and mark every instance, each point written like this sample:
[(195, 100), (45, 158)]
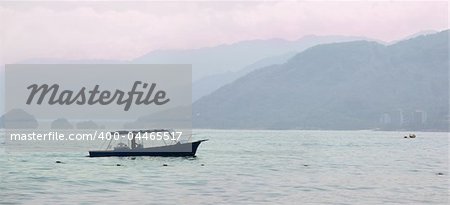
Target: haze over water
[(242, 167)]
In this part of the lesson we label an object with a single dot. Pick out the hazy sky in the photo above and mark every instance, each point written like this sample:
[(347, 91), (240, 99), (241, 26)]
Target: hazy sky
[(127, 30)]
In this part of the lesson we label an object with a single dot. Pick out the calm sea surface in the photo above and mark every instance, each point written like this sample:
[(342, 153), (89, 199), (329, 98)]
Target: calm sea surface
[(244, 167)]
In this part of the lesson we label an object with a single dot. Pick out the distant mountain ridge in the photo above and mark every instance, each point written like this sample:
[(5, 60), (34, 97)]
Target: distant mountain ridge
[(213, 67), (352, 85), (233, 57)]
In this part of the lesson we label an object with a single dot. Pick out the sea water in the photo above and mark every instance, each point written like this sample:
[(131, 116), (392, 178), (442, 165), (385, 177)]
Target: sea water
[(243, 167)]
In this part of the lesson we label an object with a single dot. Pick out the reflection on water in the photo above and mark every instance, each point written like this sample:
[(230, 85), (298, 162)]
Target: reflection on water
[(272, 167)]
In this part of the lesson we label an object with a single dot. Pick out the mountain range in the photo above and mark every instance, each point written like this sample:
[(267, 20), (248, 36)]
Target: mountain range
[(315, 83), (213, 67), (350, 85)]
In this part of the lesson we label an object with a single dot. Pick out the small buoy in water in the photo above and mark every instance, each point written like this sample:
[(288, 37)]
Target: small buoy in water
[(305, 165), (133, 158), (405, 137), (202, 165), (58, 162), (440, 173), (118, 165), (165, 165)]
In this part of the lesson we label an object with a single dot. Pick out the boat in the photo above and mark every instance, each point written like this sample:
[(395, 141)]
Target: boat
[(175, 148)]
